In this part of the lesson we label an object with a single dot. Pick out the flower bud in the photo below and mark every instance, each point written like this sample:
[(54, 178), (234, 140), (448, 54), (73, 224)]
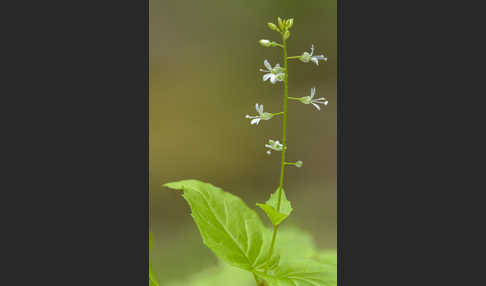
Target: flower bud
[(299, 164), (265, 43), (290, 23), (272, 26), (281, 24)]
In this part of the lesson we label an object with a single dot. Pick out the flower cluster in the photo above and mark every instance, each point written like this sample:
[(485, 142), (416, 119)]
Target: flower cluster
[(279, 74)]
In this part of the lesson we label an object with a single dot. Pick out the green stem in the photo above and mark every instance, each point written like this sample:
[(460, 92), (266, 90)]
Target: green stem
[(284, 143), (256, 279), (278, 113), (293, 57), (294, 98)]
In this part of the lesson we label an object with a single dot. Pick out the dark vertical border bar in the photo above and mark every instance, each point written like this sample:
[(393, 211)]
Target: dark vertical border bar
[(339, 144), (147, 152)]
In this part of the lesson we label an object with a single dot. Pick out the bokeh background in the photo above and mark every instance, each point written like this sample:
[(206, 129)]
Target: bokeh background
[(204, 77)]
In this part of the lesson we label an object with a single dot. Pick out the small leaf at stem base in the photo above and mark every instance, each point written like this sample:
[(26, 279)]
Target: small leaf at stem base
[(270, 207)]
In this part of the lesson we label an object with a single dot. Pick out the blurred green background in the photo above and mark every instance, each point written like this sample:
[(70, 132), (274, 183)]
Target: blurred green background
[(204, 77)]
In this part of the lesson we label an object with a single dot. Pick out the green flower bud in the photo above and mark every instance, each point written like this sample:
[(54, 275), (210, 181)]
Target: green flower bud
[(281, 24), (272, 26), (299, 164), (290, 23), (265, 43), (286, 35)]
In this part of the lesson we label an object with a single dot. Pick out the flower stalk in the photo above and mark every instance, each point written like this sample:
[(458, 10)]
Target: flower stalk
[(275, 74), (284, 142)]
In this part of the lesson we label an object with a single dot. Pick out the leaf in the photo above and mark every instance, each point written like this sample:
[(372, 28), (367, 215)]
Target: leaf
[(228, 227), (301, 273), (328, 256), (152, 279), (293, 243), (221, 275), (270, 207)]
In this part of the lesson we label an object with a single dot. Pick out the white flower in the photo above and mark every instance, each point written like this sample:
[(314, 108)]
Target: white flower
[(274, 74), (273, 145), (310, 99), (261, 115), (306, 57)]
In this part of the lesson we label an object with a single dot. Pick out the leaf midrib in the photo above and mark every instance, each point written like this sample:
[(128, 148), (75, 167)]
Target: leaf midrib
[(215, 214)]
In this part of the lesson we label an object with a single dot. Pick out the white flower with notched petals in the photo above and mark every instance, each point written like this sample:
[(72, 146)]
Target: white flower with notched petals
[(274, 74), (306, 57), (261, 115), (273, 145), (310, 99)]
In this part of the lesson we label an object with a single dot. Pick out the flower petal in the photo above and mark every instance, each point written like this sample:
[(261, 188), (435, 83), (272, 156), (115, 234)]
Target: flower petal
[(255, 121), (267, 65), (266, 76), (273, 79), (317, 106), (313, 92), (314, 60)]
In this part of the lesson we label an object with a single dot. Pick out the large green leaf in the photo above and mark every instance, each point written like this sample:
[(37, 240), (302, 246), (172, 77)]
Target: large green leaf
[(228, 227), (328, 256), (301, 273), (221, 275), (294, 243), (152, 279), (272, 210)]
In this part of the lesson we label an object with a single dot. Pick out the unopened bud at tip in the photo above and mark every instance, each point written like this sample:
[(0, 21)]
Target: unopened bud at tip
[(265, 43), (272, 26)]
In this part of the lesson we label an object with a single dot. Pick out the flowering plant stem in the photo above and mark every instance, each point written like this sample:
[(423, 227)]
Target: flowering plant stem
[(229, 227), (284, 143)]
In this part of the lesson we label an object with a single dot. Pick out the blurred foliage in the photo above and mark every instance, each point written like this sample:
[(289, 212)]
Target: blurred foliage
[(292, 241), (204, 61)]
